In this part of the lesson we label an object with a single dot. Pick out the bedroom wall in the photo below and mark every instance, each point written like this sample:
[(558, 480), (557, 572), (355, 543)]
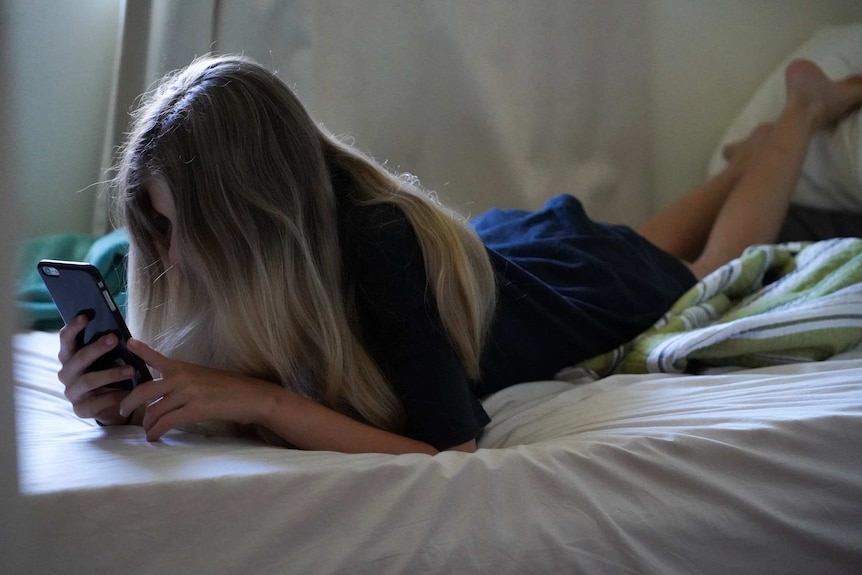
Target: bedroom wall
[(63, 55), (707, 59)]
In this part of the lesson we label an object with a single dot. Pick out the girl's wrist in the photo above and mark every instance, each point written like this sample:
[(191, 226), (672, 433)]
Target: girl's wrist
[(262, 401), (272, 405)]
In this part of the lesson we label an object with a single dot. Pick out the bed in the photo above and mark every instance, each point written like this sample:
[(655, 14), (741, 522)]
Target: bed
[(754, 470), (729, 469)]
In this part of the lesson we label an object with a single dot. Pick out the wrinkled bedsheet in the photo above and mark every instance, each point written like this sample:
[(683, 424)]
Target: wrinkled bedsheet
[(756, 471)]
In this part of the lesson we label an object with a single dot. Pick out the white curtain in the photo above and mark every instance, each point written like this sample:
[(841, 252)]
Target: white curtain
[(489, 102)]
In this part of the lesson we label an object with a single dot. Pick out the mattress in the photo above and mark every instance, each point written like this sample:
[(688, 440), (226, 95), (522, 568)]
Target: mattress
[(746, 471)]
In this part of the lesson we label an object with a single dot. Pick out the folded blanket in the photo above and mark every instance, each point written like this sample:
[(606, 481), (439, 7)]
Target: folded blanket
[(775, 304), (107, 253)]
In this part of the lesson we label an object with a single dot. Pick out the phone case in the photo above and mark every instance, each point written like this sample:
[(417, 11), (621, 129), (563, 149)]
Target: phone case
[(78, 287)]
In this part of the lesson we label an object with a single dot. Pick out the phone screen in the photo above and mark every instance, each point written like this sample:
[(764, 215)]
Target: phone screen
[(78, 288)]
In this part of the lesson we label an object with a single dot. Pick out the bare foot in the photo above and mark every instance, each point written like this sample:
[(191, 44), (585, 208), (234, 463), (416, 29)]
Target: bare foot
[(827, 100)]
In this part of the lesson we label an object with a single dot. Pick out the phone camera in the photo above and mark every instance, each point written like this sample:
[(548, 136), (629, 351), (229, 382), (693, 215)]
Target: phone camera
[(50, 271)]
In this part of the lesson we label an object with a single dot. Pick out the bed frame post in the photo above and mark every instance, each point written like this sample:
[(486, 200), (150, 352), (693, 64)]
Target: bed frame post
[(14, 533)]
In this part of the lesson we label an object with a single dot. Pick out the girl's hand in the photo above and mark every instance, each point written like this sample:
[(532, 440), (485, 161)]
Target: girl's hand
[(189, 393), (86, 390)]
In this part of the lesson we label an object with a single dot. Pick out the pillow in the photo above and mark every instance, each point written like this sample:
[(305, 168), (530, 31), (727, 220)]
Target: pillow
[(832, 173)]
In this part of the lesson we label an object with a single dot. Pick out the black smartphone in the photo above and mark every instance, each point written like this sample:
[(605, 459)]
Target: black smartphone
[(78, 288)]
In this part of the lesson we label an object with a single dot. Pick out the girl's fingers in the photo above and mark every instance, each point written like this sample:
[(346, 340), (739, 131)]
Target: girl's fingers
[(77, 364), (149, 355), (99, 404), (95, 380), (144, 394), (69, 336), (163, 415), (156, 428), (160, 407)]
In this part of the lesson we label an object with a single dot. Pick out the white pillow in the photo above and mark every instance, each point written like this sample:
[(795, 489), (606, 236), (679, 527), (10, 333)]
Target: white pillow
[(832, 174)]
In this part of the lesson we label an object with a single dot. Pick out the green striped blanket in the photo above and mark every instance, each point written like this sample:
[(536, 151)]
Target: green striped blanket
[(775, 304)]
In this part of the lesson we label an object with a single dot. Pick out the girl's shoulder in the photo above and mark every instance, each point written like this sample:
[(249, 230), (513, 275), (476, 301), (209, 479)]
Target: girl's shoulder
[(372, 230), (381, 256), (369, 217)]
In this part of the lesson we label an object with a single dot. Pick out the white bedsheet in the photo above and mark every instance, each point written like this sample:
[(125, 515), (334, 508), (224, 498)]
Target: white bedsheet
[(756, 471)]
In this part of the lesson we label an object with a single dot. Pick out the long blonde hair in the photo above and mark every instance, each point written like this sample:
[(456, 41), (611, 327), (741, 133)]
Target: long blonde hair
[(258, 285)]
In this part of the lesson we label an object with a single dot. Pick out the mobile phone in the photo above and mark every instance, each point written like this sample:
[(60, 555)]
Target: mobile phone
[(78, 288)]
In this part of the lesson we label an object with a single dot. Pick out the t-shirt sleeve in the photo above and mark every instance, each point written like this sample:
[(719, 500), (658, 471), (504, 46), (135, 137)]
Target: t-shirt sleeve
[(401, 328)]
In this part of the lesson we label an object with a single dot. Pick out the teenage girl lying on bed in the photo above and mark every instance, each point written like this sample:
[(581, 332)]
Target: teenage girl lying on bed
[(292, 284)]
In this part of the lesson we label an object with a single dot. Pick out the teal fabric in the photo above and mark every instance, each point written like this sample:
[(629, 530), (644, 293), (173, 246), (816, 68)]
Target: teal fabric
[(107, 253)]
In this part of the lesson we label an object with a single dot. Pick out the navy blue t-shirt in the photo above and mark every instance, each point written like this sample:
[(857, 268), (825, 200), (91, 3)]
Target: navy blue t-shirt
[(568, 289)]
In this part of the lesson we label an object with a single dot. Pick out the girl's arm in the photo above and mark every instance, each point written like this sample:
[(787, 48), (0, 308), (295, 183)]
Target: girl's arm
[(310, 425), (188, 393)]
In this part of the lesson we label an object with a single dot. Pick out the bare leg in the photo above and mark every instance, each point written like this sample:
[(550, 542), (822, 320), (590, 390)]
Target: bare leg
[(751, 209), (682, 228)]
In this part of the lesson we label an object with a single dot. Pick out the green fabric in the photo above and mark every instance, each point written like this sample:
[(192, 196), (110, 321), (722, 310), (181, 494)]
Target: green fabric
[(775, 304), (107, 253)]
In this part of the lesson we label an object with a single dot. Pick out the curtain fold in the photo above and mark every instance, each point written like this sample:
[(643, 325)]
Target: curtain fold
[(489, 102), (128, 83)]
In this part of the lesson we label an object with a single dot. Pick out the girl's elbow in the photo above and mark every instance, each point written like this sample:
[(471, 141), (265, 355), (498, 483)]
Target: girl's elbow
[(468, 447)]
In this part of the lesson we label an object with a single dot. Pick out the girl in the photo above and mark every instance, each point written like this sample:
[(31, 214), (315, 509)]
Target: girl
[(291, 284)]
